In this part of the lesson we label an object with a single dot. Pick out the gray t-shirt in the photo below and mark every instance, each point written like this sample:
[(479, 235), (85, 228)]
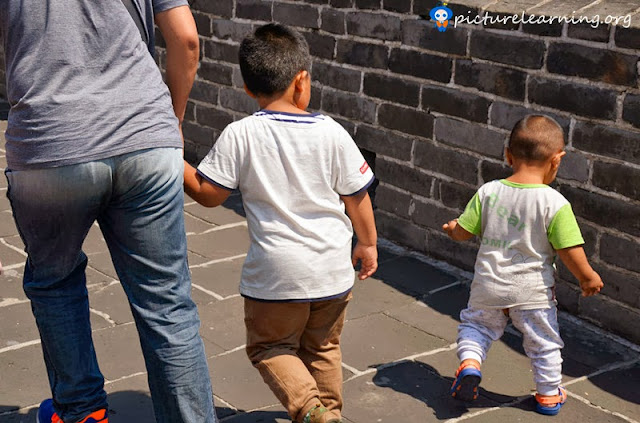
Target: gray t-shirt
[(81, 83)]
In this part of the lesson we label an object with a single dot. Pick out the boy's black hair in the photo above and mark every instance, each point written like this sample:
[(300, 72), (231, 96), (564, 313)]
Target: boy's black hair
[(271, 57), (536, 138)]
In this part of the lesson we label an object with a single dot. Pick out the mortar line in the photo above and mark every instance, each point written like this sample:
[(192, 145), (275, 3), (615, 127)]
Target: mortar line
[(221, 260)]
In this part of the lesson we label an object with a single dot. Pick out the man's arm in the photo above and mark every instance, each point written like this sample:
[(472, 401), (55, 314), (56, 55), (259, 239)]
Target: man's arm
[(183, 51), (201, 190), (360, 212)]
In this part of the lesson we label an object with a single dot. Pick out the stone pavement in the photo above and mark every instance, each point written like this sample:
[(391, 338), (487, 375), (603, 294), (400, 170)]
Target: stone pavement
[(399, 351)]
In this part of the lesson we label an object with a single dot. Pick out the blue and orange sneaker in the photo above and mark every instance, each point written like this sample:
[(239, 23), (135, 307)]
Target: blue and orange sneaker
[(550, 405), (465, 385), (46, 414)]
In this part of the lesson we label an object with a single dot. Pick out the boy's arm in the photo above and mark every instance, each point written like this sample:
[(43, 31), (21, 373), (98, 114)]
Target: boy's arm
[(179, 31), (576, 261), (455, 231), (360, 212), (201, 190)]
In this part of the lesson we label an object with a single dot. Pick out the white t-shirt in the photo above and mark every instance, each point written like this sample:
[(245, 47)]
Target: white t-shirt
[(520, 227), (291, 170)]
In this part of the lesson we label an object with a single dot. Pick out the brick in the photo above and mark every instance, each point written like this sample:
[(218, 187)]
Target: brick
[(497, 80), (316, 98), (341, 3), (620, 285), (392, 89), (422, 8), (337, 77), (236, 78), (621, 252), (585, 31), (501, 21), (348, 105), (203, 91), (446, 161), (431, 214), (333, 21), (362, 54), (190, 112), (592, 63), (616, 177), (374, 25), (454, 102), (237, 100), (296, 15), (403, 119), (505, 116), (454, 195), (400, 230), (393, 201), (470, 136), (568, 96), (631, 109), (203, 23), (423, 34), (216, 50), (384, 142), (212, 117), (158, 38), (543, 30), (627, 37), (215, 72), (607, 141), (421, 65), (611, 315), (604, 211), (198, 134), (224, 29), (222, 8), (320, 45), (259, 10), (590, 234), (368, 4), (462, 254), (490, 171), (575, 166), (517, 51), (400, 6), (405, 177), (568, 295)]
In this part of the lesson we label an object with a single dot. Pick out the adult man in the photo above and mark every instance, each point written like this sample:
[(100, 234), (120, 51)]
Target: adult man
[(92, 135)]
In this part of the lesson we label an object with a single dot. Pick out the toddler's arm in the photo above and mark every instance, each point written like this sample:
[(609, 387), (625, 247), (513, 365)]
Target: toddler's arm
[(455, 231), (201, 190), (360, 212), (576, 261)]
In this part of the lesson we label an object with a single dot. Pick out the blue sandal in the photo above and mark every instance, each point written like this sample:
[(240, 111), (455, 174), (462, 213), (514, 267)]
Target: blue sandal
[(465, 386), (550, 405)]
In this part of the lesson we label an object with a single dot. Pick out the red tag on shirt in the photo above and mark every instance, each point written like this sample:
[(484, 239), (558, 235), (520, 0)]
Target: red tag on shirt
[(364, 167)]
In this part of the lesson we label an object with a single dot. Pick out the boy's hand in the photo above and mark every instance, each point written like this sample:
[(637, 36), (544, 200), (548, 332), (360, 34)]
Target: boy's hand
[(450, 227), (367, 255), (591, 286)]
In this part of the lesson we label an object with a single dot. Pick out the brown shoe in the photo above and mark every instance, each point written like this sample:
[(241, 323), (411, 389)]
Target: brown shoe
[(319, 414)]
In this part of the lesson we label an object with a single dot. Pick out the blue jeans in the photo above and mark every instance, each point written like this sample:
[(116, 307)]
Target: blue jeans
[(137, 199)]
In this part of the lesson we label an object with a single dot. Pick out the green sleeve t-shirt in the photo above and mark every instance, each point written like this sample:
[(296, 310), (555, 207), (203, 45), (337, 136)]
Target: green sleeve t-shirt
[(520, 227)]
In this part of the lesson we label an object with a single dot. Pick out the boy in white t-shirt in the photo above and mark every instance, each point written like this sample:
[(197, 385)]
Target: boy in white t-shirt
[(522, 223), (297, 172)]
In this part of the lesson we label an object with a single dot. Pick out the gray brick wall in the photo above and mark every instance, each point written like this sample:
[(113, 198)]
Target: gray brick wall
[(434, 110)]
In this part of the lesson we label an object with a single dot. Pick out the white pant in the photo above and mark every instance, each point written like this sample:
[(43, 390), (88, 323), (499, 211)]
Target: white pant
[(541, 340)]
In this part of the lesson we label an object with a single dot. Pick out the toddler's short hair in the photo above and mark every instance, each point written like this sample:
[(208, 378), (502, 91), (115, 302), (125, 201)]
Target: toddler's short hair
[(271, 57), (536, 138)]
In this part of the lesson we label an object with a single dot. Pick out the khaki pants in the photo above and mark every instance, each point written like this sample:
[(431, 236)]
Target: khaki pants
[(296, 348)]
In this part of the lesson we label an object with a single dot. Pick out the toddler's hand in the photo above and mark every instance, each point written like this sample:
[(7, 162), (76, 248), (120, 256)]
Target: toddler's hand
[(367, 255), (591, 286), (449, 227)]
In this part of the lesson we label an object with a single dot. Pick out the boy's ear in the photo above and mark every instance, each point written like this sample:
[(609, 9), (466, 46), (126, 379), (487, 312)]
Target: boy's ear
[(300, 78), (249, 92), (557, 158), (508, 156)]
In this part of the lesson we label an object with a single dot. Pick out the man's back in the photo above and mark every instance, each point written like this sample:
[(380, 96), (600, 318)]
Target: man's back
[(81, 83)]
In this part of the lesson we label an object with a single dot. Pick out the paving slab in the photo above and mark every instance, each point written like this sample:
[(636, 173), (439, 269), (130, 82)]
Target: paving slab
[(615, 390), (111, 302), (10, 256), (223, 323), (223, 277), (220, 244), (17, 325), (238, 383), (130, 400), (23, 380), (373, 295), (275, 414), (118, 351), (7, 224), (379, 339), (11, 287), (412, 276), (410, 392)]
